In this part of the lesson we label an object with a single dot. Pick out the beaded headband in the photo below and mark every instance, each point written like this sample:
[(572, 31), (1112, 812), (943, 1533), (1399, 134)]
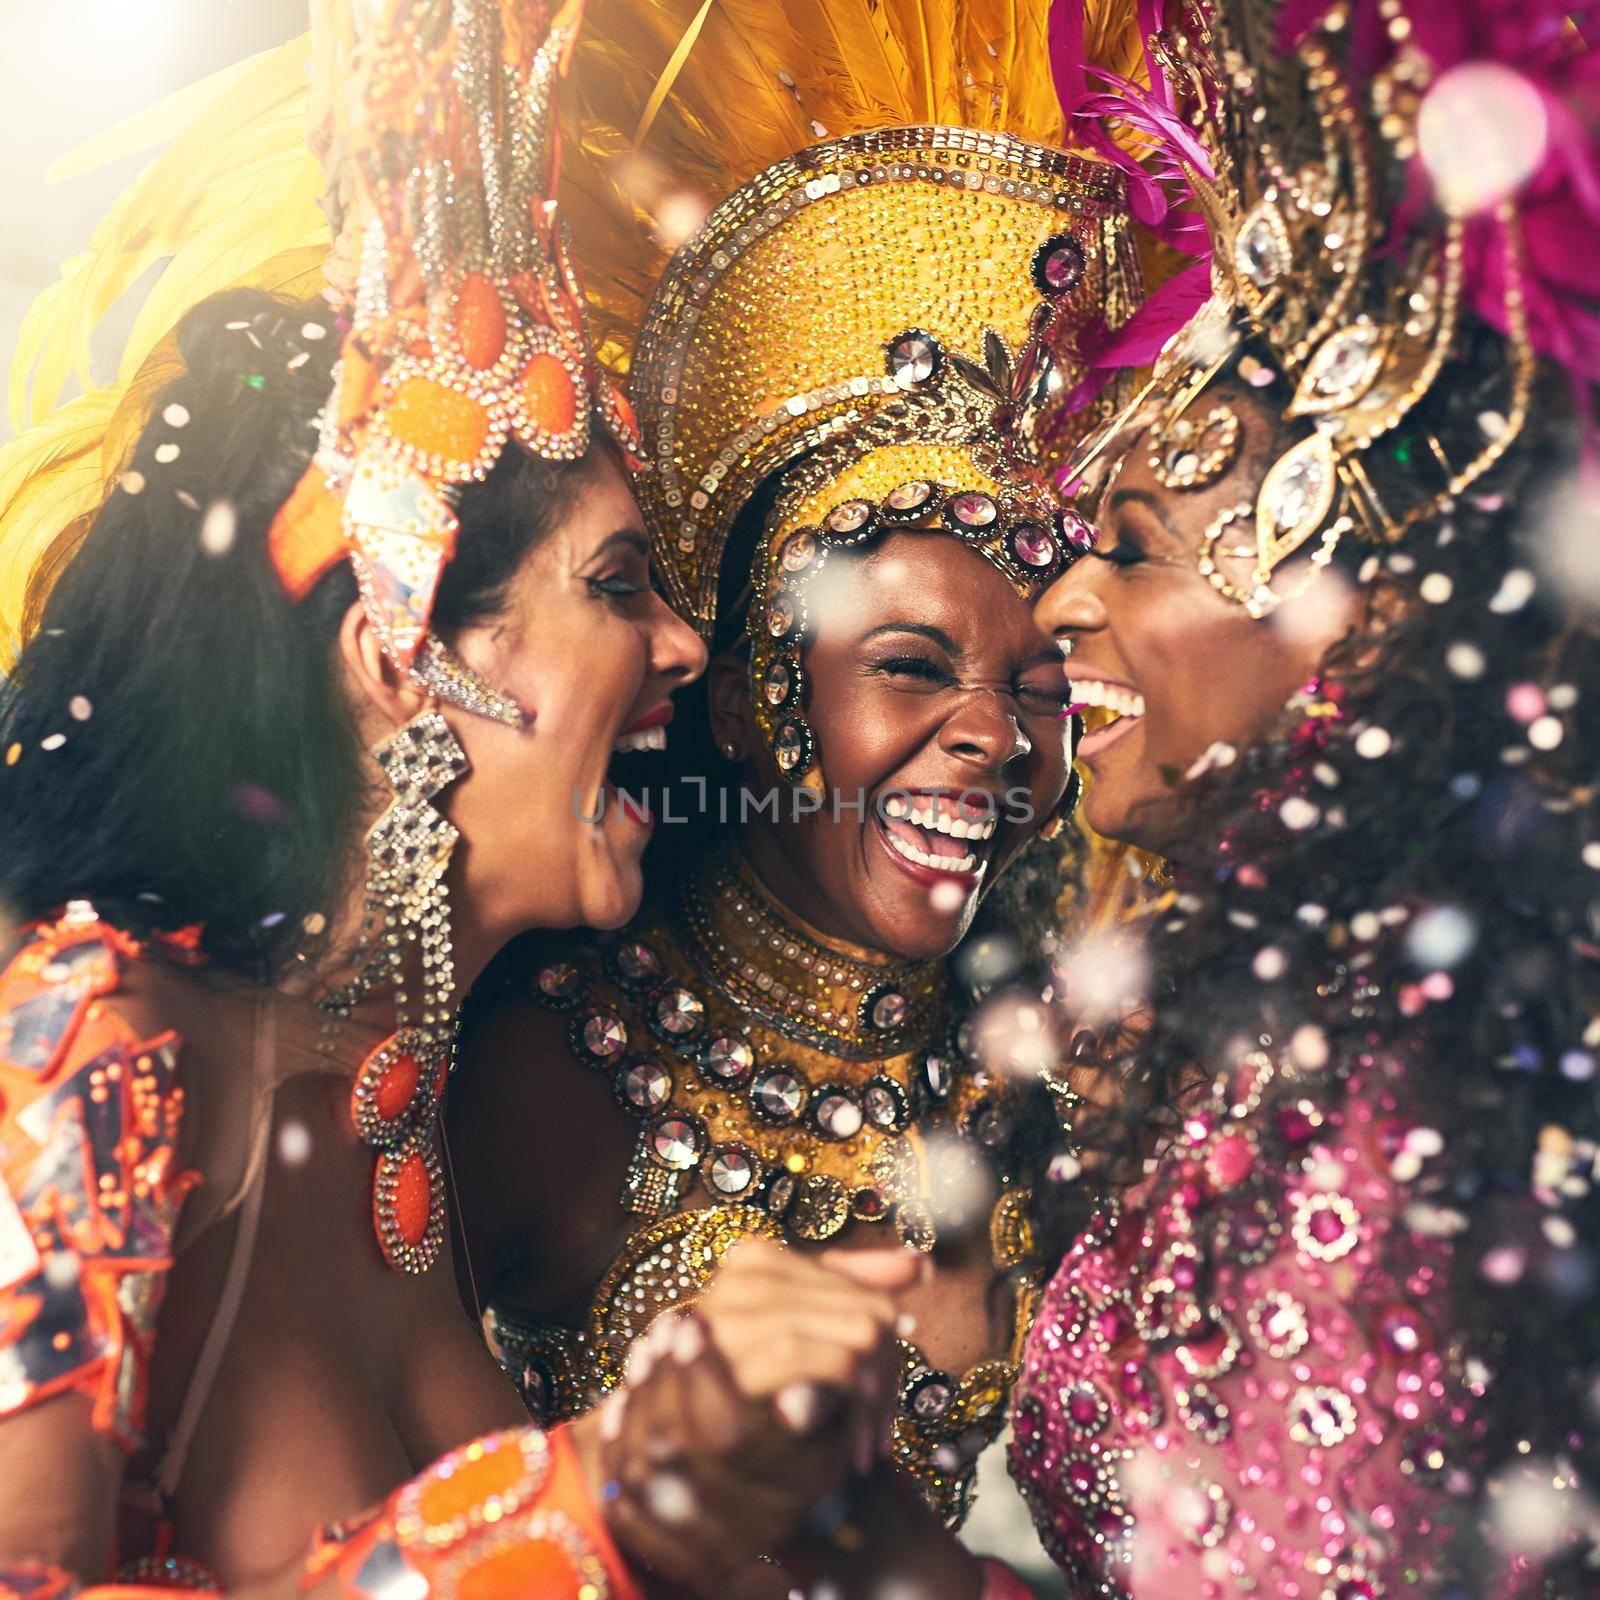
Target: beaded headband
[(1301, 153), (467, 331)]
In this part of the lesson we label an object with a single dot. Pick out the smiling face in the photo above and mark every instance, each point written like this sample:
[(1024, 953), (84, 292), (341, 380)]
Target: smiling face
[(1171, 666), (937, 705), (587, 646)]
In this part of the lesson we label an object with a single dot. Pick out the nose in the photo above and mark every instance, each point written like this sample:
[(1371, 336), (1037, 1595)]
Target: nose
[(677, 652), (984, 732), (1072, 605)]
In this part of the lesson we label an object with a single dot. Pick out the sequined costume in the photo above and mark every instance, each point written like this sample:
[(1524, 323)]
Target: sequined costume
[(1245, 1376), (783, 1086), (91, 1184)]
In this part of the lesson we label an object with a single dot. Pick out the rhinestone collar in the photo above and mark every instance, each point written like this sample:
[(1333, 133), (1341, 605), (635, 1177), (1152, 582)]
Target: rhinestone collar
[(812, 990)]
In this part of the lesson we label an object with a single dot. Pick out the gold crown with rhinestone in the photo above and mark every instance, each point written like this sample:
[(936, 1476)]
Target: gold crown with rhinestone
[(898, 287), (1357, 307)]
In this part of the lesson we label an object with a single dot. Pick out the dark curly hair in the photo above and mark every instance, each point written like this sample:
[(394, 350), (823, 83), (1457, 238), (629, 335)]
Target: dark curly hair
[(180, 750), (1433, 896)]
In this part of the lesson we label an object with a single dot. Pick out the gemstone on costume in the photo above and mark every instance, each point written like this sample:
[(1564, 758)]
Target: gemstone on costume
[(1077, 532), (914, 1224), (1058, 265), (930, 1397), (913, 358), (646, 1084), (677, 1143), (1085, 1409), (1279, 1324), (1204, 1413), (436, 421), (780, 616), (677, 1012), (777, 1095), (869, 1205), (558, 981), (820, 1208), (1261, 249), (478, 321), (636, 962), (1321, 1415), (732, 1169), (837, 1114), (778, 683), (1340, 370), (602, 1035), (1298, 489), (780, 1195), (727, 1058), (937, 1074), (1325, 1226), (971, 509), (886, 1009), (790, 747), (908, 499), (885, 1104), (548, 394), (1033, 546), (1204, 1512), (412, 1198), (799, 551), (850, 517)]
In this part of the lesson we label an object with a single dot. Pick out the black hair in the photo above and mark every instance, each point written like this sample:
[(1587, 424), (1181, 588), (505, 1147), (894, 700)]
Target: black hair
[(178, 747), (1455, 783)]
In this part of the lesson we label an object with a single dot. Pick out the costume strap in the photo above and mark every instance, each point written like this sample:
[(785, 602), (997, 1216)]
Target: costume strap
[(507, 1514)]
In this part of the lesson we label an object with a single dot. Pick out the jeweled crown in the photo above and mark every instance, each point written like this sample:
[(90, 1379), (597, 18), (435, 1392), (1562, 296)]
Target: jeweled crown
[(1350, 262)]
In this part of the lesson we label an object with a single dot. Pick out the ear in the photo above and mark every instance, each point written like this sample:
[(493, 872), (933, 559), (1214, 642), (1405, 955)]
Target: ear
[(380, 692), (728, 701)]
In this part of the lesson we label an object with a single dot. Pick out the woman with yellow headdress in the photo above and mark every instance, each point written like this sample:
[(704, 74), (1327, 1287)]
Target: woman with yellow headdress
[(848, 380), (288, 744)]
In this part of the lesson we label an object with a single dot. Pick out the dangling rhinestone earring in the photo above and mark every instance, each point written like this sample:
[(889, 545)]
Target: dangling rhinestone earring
[(399, 1091)]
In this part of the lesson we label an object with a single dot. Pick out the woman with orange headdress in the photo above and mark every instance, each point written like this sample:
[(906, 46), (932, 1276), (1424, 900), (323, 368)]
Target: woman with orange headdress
[(290, 744)]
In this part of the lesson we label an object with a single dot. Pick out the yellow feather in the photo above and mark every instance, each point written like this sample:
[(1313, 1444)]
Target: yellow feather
[(50, 477), (763, 79), (244, 159)]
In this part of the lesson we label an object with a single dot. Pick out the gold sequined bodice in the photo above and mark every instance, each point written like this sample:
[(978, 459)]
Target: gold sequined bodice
[(784, 1086)]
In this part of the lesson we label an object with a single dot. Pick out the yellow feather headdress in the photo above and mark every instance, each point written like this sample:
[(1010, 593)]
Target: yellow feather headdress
[(671, 105)]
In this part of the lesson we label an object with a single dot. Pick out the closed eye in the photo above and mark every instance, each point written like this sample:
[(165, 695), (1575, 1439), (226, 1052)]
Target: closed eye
[(1125, 552), (917, 668)]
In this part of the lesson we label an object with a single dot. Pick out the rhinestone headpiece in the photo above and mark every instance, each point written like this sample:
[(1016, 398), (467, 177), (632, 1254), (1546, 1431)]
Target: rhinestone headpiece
[(1306, 170), (467, 329), (908, 286)]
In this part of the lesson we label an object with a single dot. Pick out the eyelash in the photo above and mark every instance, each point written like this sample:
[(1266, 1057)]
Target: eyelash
[(931, 671), (1122, 554), (616, 588)]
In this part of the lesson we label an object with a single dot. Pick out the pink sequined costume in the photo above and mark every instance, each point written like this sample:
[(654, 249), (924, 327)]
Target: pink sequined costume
[(1281, 1429)]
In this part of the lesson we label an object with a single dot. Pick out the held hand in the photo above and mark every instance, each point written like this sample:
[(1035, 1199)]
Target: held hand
[(739, 1419)]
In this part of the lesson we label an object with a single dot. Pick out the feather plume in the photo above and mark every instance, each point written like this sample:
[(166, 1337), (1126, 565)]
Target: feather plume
[(763, 80), (235, 188)]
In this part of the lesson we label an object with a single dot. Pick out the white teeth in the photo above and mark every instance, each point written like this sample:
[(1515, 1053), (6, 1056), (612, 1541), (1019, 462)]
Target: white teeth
[(938, 819), (1092, 692), (650, 739), (966, 863)]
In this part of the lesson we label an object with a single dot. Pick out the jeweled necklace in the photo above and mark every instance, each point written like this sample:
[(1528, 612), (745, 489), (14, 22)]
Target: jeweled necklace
[(752, 953), (782, 1072)]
